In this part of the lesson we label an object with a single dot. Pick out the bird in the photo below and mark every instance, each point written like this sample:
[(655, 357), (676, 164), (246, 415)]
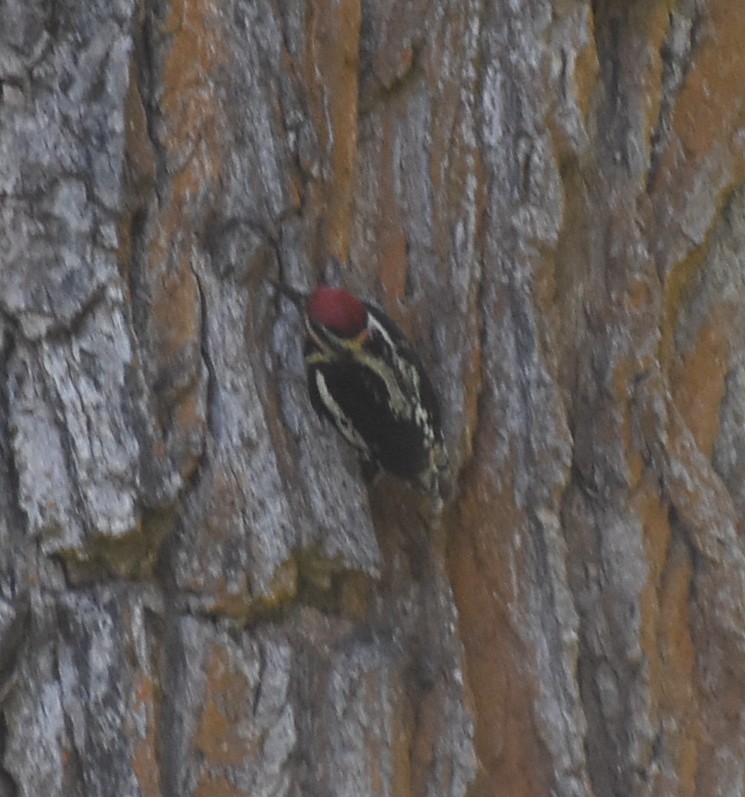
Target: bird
[(366, 379)]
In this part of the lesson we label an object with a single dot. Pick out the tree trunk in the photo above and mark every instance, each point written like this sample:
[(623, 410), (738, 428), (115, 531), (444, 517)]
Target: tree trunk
[(199, 595)]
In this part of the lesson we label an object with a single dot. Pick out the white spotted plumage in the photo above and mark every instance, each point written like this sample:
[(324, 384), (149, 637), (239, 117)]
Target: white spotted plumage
[(368, 381)]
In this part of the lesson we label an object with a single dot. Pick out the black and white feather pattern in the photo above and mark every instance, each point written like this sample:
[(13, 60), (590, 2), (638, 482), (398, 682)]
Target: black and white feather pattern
[(376, 393)]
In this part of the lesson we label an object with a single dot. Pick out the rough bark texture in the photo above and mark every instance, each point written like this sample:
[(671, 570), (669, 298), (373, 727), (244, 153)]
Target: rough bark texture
[(198, 595)]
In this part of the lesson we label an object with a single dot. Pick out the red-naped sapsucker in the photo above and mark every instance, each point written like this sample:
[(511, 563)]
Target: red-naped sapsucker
[(368, 381)]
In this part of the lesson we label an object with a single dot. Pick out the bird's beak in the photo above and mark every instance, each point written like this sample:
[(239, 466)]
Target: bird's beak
[(296, 297)]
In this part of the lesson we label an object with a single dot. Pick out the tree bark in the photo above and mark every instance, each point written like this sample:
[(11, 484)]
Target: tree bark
[(199, 595)]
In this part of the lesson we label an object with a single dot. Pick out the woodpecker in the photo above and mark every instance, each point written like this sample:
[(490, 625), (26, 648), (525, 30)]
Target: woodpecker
[(366, 379)]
